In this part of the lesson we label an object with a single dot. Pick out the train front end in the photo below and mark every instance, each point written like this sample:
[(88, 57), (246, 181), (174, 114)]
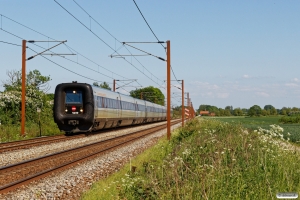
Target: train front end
[(74, 107)]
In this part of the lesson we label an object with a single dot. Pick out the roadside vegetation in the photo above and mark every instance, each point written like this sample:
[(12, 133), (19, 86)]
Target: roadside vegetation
[(290, 130), (208, 159), (36, 97)]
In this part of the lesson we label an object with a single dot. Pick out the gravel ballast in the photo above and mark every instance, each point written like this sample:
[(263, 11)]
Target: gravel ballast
[(70, 183), (12, 157)]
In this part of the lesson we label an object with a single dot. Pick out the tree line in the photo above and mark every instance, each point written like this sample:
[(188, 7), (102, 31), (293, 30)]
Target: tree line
[(254, 110)]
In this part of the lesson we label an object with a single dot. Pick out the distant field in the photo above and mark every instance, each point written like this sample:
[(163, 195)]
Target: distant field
[(264, 122)]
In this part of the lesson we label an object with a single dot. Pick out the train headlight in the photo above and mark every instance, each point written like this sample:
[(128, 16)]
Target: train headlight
[(66, 110), (81, 110)]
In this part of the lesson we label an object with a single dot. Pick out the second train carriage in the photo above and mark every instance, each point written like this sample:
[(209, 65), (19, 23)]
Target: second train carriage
[(81, 107)]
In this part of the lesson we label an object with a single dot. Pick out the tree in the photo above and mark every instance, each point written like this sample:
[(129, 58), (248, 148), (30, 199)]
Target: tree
[(222, 112), (177, 111), (10, 99), (102, 85), (264, 112), (238, 112), (34, 79), (229, 108), (150, 93), (273, 111), (268, 107), (283, 112), (211, 109), (254, 111), (227, 112), (245, 111)]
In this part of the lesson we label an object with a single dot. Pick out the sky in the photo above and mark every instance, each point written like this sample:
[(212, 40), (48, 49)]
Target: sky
[(229, 53)]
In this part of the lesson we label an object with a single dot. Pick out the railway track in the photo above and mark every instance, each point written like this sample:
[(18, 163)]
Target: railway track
[(13, 176), (25, 144)]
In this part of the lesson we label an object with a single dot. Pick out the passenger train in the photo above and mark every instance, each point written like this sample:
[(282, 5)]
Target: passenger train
[(81, 107)]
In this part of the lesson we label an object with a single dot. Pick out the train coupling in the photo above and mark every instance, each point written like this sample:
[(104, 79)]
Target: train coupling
[(73, 122)]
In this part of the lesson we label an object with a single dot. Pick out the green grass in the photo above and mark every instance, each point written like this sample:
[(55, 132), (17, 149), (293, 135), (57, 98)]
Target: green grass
[(208, 159), (253, 123), (10, 133)]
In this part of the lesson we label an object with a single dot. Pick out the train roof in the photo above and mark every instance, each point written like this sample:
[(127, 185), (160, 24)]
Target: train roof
[(101, 91)]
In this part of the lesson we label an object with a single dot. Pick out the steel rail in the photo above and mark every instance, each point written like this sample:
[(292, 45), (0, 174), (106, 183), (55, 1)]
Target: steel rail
[(10, 169), (24, 144)]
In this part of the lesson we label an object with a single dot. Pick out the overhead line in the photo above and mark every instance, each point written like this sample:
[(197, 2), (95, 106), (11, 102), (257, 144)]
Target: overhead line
[(65, 68), (12, 34), (114, 38), (56, 40), (147, 23), (152, 32), (84, 25), (102, 40), (77, 63), (51, 60), (60, 56), (110, 34), (96, 21), (174, 75), (11, 43)]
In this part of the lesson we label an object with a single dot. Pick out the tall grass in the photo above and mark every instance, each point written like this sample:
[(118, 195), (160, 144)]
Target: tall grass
[(209, 159), (13, 132)]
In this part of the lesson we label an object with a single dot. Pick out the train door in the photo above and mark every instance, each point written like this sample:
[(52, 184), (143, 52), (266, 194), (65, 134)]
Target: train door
[(118, 107), (136, 110), (104, 104), (96, 106), (146, 110)]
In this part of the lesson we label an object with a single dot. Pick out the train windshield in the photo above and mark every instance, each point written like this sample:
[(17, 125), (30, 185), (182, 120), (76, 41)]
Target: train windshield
[(73, 97)]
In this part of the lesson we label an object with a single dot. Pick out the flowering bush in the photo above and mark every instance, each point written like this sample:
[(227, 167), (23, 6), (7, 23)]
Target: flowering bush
[(10, 99), (274, 132), (10, 104)]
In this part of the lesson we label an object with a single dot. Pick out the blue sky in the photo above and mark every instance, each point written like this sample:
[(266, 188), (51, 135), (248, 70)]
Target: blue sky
[(238, 53)]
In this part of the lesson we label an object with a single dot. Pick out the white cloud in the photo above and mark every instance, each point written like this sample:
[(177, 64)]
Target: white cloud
[(246, 76), (291, 85), (295, 80), (206, 85), (222, 95), (262, 94)]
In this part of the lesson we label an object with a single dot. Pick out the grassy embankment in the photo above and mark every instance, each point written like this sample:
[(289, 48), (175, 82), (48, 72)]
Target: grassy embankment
[(208, 159), (12, 132)]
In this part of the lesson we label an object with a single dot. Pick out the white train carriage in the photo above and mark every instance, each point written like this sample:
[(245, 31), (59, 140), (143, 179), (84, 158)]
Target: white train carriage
[(80, 107)]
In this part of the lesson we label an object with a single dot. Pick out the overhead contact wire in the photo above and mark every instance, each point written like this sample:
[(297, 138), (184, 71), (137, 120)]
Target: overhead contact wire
[(147, 23), (57, 40), (65, 68), (101, 39)]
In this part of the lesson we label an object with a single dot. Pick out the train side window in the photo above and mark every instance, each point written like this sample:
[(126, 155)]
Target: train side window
[(110, 103), (99, 102), (107, 103)]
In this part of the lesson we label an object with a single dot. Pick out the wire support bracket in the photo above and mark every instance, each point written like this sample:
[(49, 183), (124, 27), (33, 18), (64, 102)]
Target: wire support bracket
[(41, 53), (144, 51)]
